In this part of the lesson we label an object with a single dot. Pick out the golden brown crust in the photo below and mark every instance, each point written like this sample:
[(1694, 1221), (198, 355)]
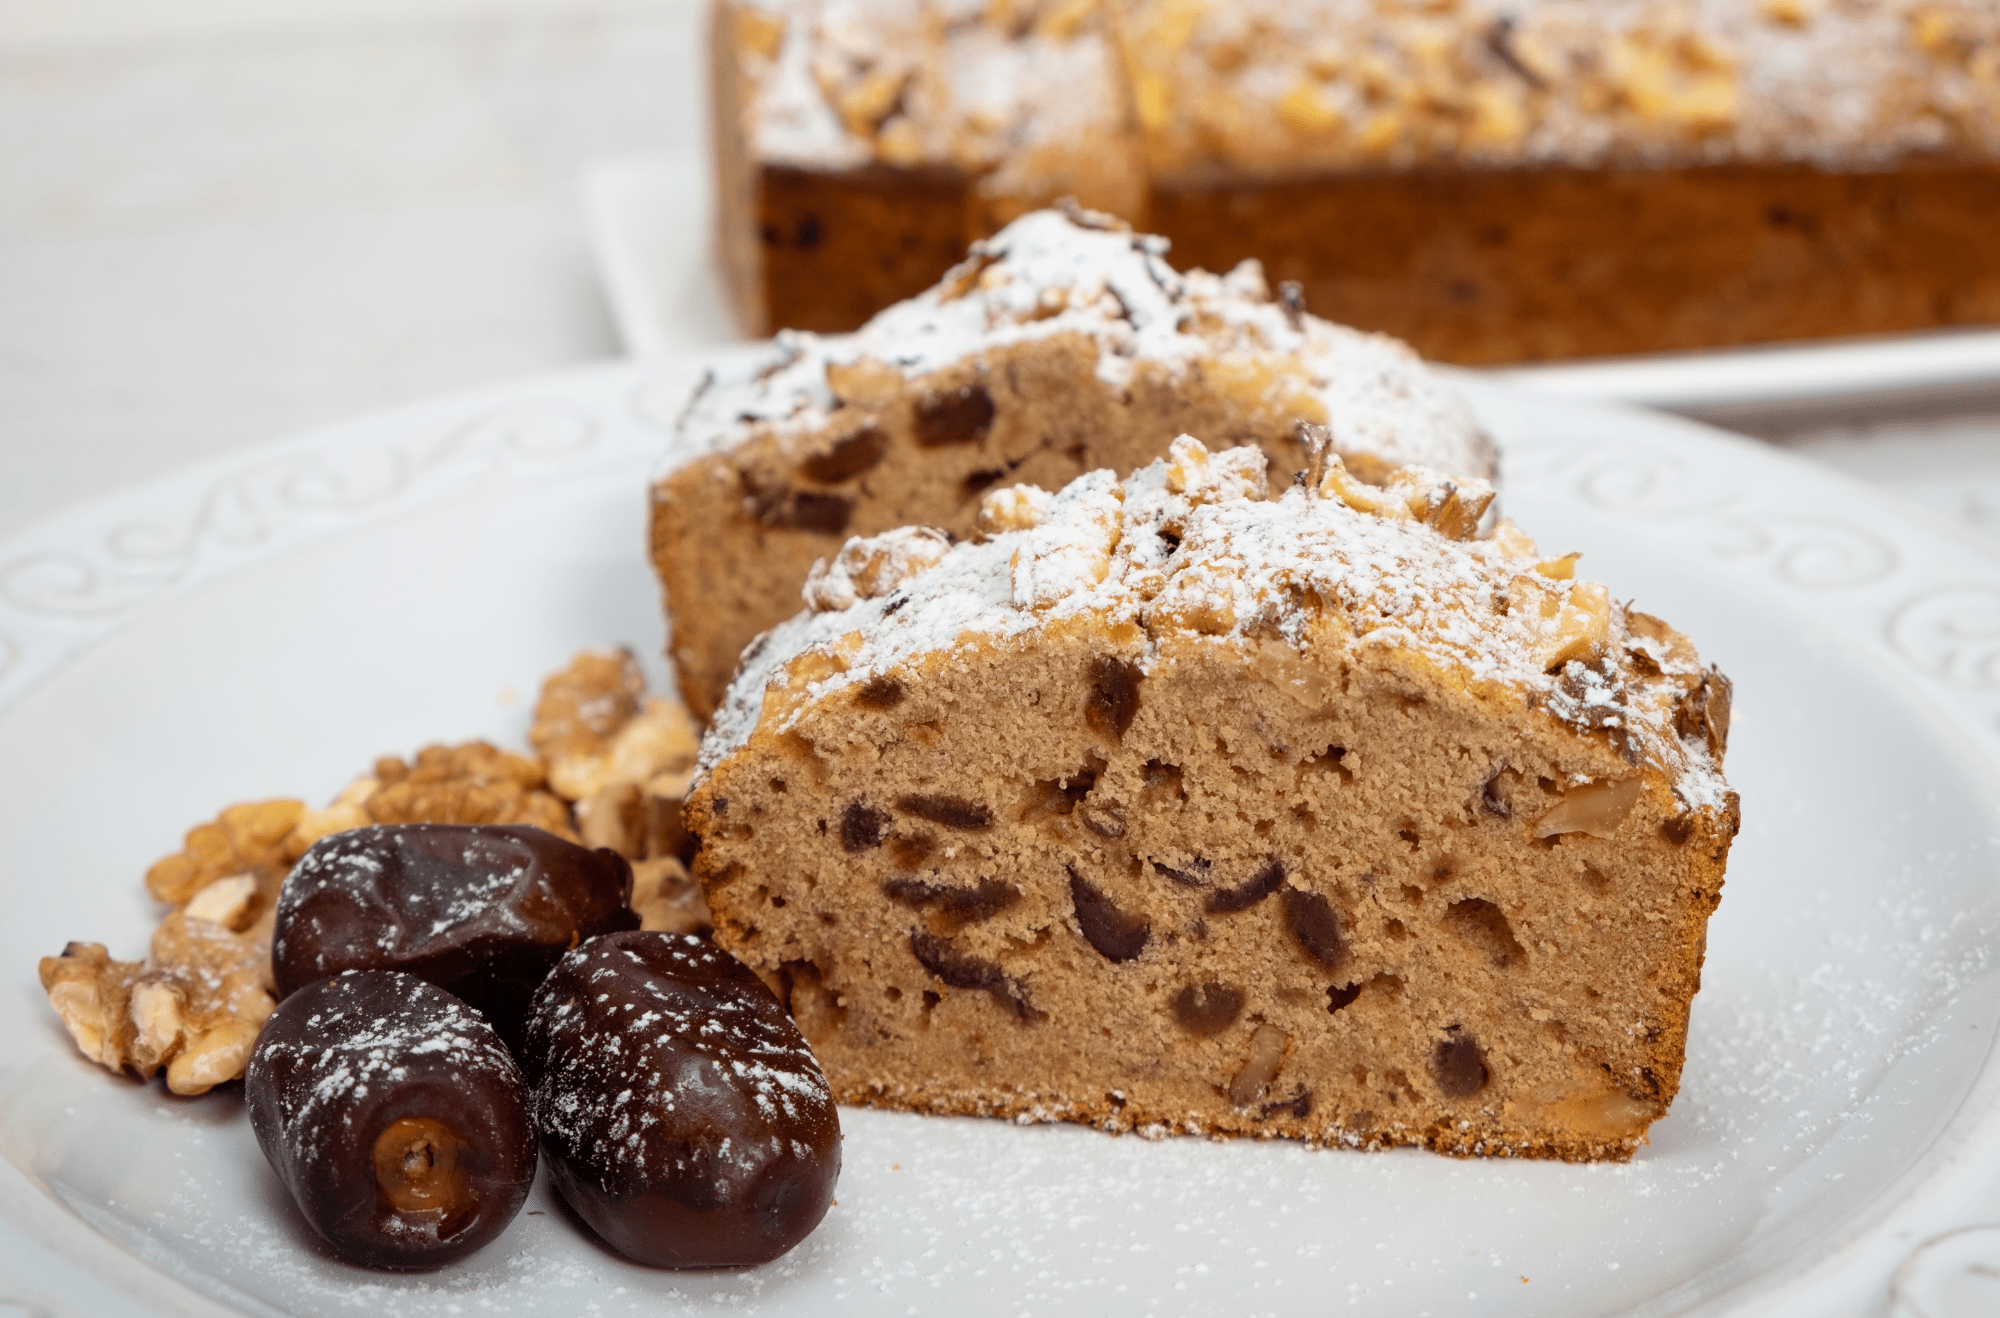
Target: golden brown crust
[(1514, 265), (1132, 1118), (1063, 344)]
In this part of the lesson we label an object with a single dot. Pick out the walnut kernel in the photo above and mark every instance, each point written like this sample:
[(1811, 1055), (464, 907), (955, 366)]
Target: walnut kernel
[(1015, 508), (596, 729), (242, 838), (869, 567), (667, 898), (1597, 809), (476, 783)]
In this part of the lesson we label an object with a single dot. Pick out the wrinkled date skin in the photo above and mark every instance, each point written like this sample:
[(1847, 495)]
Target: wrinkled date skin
[(681, 1114), (481, 910), (395, 1116)]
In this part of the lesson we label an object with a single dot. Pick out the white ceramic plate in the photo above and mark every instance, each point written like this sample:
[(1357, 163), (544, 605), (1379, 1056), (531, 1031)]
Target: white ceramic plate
[(269, 625), (651, 221)]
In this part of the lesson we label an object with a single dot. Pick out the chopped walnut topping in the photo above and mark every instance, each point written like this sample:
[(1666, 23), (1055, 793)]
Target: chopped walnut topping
[(1682, 78), (1205, 477), (864, 380), (1934, 29), (1014, 508), (1054, 561), (1582, 626), (1281, 384), (1411, 493), (759, 33), (1061, 21), (1306, 109), (863, 105), (1792, 13), (869, 567), (1704, 713), (1512, 541)]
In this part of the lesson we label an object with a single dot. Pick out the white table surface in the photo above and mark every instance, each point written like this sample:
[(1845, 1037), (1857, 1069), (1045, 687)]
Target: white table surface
[(223, 221)]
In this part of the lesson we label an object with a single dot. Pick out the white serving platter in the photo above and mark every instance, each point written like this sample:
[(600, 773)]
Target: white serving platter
[(268, 625)]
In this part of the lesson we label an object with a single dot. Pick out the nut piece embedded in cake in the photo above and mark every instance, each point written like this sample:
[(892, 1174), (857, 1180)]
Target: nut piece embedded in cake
[(1184, 809)]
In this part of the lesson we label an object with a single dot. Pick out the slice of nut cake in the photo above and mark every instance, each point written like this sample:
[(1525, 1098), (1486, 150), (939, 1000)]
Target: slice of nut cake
[(1062, 344), (1168, 806)]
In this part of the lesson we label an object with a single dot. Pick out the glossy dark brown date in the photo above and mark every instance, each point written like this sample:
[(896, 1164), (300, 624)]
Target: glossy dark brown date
[(480, 910), (394, 1115), (680, 1112)]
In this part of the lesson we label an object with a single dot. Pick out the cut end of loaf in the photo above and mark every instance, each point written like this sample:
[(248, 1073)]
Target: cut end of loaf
[(1076, 832)]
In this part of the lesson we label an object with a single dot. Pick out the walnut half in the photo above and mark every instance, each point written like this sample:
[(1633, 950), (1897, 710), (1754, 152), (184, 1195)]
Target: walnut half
[(194, 1013)]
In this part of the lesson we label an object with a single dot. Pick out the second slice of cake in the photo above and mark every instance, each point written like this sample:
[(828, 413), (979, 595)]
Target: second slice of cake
[(1170, 806), (1062, 344)]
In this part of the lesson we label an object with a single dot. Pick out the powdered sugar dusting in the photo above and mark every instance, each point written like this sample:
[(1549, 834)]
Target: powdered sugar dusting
[(348, 1044), (871, 566), (1188, 545), (659, 1056), (832, 82), (1279, 88), (1047, 275)]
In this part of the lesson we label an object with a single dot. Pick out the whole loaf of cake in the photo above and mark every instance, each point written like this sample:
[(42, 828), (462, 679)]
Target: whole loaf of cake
[(1166, 805), (1490, 180)]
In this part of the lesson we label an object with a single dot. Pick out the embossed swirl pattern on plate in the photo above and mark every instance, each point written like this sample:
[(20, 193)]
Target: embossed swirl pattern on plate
[(1952, 632), (1810, 553), (242, 511), (1807, 552)]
